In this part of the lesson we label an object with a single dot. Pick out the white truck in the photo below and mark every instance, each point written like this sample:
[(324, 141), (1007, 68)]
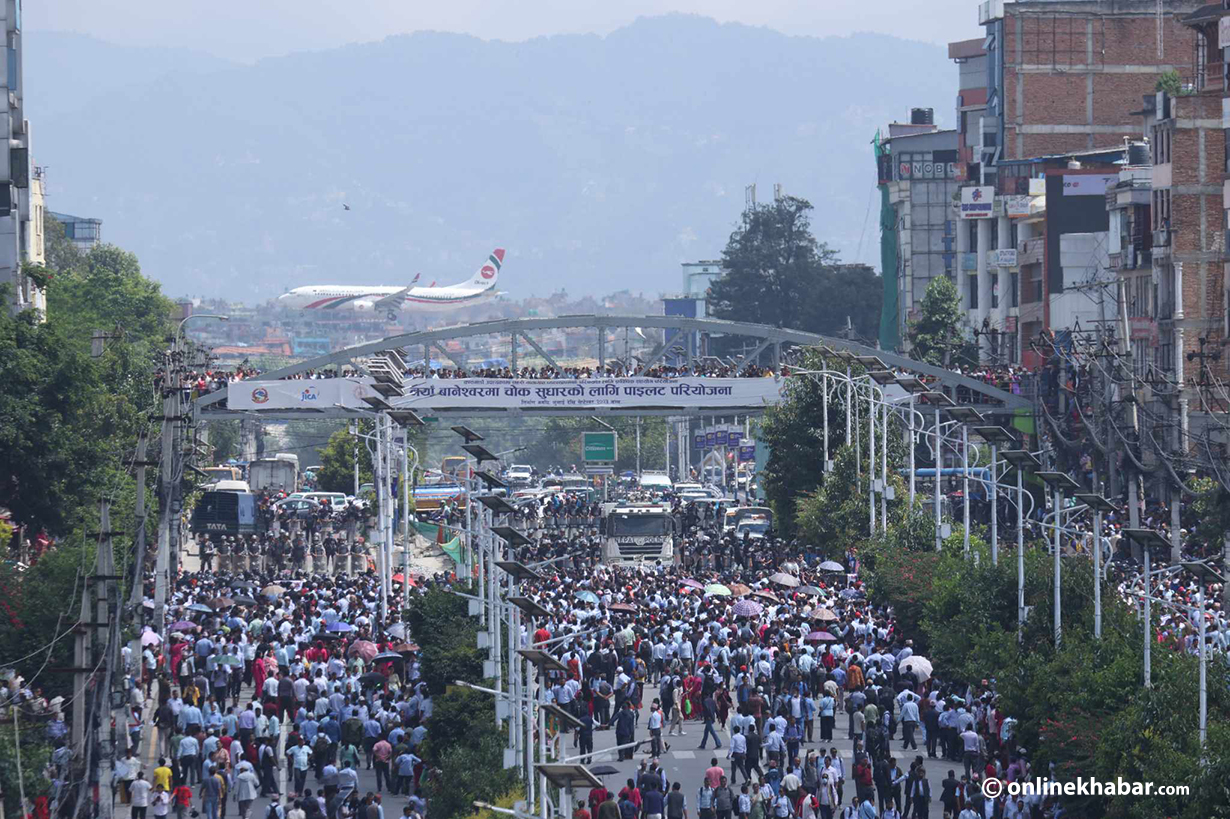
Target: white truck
[(274, 474), (639, 533)]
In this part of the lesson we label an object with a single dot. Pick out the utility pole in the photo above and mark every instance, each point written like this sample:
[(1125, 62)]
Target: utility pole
[(354, 434), (109, 616), (138, 582)]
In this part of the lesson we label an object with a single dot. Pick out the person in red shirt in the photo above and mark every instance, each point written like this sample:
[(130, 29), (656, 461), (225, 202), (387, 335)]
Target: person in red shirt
[(580, 812), (182, 800), (541, 635)]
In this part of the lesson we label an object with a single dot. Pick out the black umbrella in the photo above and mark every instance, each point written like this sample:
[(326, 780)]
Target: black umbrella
[(389, 657), (244, 584), (373, 678), (244, 600), (604, 770)]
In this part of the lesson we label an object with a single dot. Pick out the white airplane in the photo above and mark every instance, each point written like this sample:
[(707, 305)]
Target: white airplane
[(478, 288)]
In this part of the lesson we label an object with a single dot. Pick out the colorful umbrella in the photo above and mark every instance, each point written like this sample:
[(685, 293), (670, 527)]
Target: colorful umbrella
[(747, 608), (184, 625), (717, 590), (826, 615), (149, 638), (201, 607), (696, 584), (622, 607), (738, 589), (222, 602), (810, 590), (821, 637), (587, 596), (363, 648), (274, 590), (339, 627)]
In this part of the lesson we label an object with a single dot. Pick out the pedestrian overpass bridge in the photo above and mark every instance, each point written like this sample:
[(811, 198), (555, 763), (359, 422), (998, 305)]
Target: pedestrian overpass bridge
[(273, 396)]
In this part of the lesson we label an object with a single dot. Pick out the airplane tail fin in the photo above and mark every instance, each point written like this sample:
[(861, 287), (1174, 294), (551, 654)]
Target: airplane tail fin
[(489, 272)]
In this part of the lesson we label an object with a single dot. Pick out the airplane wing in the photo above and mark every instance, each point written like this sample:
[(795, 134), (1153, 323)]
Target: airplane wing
[(393, 300)]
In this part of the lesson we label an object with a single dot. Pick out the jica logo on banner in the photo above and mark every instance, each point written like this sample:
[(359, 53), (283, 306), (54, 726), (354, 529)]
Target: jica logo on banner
[(309, 394)]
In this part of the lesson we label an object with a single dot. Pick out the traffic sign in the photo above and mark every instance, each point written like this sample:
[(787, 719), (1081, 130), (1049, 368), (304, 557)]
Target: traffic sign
[(599, 469), (722, 436), (599, 446), (698, 440)]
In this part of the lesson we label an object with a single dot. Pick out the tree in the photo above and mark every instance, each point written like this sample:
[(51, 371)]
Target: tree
[(778, 274), (337, 461), (936, 337)]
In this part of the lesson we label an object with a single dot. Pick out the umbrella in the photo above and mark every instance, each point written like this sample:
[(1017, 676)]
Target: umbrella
[(274, 590), (766, 595), (622, 607), (821, 637), (373, 678), (717, 590), (149, 638), (184, 625), (738, 589), (397, 631), (230, 659), (328, 635), (696, 584), (362, 648), (921, 667), (604, 770), (783, 579), (399, 577), (849, 593), (201, 607), (831, 566), (388, 657), (810, 590), (340, 627), (587, 595), (825, 614), (403, 647), (244, 584), (244, 600), (747, 608)]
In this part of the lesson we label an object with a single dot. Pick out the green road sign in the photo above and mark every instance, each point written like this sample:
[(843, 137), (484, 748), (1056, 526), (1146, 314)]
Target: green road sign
[(600, 447)]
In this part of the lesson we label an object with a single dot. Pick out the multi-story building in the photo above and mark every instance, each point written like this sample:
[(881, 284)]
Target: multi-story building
[(21, 183), (1189, 127), (84, 232), (1063, 79), (916, 168)]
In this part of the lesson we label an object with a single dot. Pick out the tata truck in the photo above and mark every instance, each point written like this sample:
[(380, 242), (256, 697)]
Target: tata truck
[(639, 533)]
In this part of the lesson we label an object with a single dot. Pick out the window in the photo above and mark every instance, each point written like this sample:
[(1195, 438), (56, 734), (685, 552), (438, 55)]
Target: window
[(1014, 281), (972, 226), (973, 292), (994, 234), (994, 291)]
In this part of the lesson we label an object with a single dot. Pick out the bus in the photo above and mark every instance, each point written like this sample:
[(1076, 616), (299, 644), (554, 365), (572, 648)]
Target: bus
[(222, 473), (639, 533), (454, 466)]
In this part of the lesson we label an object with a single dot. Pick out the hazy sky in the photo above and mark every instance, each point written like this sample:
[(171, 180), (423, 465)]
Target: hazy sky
[(249, 29)]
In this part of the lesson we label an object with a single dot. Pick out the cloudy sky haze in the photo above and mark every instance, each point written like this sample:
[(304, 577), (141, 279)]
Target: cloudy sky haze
[(247, 31)]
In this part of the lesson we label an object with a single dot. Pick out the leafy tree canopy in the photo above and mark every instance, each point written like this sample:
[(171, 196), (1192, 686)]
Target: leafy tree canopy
[(936, 337)]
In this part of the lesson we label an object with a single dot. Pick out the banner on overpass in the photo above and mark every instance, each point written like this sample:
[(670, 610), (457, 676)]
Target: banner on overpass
[(502, 393)]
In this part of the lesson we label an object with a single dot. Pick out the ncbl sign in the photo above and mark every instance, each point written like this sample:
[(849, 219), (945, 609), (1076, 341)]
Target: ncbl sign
[(599, 446)]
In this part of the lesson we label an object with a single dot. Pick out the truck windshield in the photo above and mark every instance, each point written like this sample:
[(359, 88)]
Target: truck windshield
[(628, 525)]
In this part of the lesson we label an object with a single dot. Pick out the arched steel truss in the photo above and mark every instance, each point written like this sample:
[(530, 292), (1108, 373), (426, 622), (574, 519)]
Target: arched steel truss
[(766, 338)]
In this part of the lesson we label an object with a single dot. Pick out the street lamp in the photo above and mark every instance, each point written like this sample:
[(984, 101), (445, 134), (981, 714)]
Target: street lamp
[(1147, 540), (965, 416), (995, 436), (1203, 572), (1022, 459), (1099, 505), (1058, 481), (180, 329)]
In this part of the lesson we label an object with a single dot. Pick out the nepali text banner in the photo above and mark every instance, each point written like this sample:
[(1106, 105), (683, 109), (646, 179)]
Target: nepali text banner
[(503, 393)]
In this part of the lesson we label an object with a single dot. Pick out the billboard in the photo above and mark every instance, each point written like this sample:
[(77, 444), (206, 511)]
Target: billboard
[(977, 202), (422, 394)]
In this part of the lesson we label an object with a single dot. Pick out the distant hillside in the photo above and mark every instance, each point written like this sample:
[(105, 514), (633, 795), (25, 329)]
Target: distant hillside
[(599, 162)]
